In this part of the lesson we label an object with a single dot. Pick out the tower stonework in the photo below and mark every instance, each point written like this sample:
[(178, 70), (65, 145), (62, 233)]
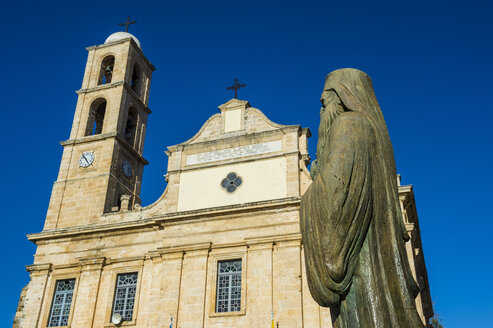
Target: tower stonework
[(220, 248), (102, 160)]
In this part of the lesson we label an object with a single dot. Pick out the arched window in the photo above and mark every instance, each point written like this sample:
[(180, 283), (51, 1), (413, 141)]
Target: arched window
[(131, 126), (106, 72), (96, 117), (136, 81)]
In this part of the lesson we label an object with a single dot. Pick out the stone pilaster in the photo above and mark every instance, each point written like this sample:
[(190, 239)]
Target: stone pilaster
[(88, 290), (192, 291), (287, 284), (165, 288), (35, 295), (292, 175), (259, 300), (171, 285), (143, 310), (325, 318)]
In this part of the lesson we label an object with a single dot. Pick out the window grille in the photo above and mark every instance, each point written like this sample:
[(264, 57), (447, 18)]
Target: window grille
[(126, 284), (60, 308), (228, 295)]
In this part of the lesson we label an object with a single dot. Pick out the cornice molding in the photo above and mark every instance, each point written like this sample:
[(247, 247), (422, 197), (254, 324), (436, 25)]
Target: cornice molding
[(227, 141), (164, 219), (129, 39), (109, 135), (127, 87), (32, 268)]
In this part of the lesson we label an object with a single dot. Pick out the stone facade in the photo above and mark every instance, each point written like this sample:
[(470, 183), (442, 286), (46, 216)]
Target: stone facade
[(95, 228), (415, 250)]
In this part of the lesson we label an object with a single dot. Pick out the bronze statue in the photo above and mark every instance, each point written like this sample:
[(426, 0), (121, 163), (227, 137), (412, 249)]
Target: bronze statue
[(353, 232)]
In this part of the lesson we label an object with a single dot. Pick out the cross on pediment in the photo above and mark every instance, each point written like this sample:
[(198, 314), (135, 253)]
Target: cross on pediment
[(128, 22), (236, 87)]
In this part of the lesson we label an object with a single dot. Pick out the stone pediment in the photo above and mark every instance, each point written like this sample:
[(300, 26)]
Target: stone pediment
[(237, 117), (240, 139)]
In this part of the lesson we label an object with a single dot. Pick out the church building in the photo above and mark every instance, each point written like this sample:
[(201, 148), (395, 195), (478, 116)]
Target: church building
[(220, 248)]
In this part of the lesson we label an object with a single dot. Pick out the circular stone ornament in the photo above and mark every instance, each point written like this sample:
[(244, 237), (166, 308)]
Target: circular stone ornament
[(231, 182)]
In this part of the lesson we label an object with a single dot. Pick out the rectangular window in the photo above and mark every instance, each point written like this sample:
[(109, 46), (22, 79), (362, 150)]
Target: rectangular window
[(126, 284), (228, 294), (60, 308)]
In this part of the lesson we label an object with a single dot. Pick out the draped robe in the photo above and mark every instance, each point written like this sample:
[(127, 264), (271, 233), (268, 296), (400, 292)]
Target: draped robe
[(351, 223)]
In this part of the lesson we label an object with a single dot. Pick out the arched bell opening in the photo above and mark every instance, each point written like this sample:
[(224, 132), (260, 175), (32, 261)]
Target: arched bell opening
[(136, 80), (106, 72), (131, 126), (96, 117)]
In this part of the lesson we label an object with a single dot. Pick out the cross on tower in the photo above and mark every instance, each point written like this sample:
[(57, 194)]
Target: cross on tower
[(128, 22), (235, 87)]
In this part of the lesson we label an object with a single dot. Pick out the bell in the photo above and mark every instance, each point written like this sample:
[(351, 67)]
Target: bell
[(108, 69)]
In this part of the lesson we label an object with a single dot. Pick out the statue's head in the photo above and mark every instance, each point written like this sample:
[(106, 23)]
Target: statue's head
[(354, 89)]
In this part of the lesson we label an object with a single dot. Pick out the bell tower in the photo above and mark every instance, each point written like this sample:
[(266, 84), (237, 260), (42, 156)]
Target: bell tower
[(102, 161)]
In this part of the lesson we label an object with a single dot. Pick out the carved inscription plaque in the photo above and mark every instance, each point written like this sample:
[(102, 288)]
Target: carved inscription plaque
[(229, 153)]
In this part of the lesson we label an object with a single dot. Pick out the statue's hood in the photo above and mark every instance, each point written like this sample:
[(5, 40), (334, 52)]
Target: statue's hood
[(355, 89)]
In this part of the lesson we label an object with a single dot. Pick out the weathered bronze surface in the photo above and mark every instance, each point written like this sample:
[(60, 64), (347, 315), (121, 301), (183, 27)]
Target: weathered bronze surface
[(353, 233)]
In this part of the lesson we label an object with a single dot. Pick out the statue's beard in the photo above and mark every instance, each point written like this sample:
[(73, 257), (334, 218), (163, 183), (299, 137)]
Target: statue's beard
[(332, 111), (328, 115)]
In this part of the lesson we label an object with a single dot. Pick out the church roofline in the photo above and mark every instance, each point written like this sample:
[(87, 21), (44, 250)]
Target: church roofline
[(202, 128), (406, 188), (136, 46), (160, 221), (236, 104), (266, 119), (308, 132)]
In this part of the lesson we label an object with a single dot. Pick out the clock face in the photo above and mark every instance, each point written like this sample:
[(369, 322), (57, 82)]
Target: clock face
[(86, 159), (127, 168)]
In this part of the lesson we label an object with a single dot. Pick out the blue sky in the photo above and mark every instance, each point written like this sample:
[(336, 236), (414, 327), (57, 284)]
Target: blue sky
[(431, 65)]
